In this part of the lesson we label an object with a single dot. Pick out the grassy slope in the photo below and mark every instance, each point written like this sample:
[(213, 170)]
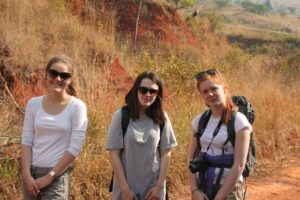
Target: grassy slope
[(295, 3), (242, 22)]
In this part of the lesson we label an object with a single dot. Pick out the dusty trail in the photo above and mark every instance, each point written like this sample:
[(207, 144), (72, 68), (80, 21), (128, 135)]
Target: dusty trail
[(283, 183)]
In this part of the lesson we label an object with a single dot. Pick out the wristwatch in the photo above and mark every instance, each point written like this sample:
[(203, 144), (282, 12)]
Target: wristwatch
[(52, 173)]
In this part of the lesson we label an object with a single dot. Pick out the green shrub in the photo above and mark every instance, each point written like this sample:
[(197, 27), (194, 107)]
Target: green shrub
[(175, 71), (9, 168), (255, 7), (222, 3)]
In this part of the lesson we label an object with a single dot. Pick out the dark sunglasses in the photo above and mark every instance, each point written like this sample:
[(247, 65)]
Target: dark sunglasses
[(210, 72), (145, 90), (63, 75)]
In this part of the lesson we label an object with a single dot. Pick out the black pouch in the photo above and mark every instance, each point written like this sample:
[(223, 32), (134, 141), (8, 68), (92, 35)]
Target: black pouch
[(199, 163)]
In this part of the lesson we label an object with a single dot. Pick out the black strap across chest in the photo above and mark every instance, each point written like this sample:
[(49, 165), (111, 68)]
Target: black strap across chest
[(215, 133)]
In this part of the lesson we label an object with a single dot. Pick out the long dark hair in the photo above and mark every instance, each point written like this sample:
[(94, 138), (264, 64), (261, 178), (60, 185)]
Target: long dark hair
[(155, 111), (71, 90)]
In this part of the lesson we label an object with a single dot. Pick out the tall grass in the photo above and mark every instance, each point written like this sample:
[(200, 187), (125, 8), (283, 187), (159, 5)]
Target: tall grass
[(36, 31)]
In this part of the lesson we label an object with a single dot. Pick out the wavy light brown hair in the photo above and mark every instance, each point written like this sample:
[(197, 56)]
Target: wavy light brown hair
[(216, 76), (71, 90)]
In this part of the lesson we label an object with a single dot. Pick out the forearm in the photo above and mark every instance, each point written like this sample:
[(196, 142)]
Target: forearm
[(63, 163), (240, 155), (59, 169), (192, 177), (192, 148), (192, 181), (74, 149), (164, 167), (230, 181), (26, 155), (118, 168)]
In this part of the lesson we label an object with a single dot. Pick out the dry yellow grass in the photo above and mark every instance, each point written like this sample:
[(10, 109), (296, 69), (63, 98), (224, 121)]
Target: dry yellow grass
[(35, 31)]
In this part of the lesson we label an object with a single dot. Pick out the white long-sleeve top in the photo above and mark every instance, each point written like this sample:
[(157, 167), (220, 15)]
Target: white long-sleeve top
[(50, 136)]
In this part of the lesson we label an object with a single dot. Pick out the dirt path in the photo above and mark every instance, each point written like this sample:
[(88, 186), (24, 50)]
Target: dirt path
[(283, 183)]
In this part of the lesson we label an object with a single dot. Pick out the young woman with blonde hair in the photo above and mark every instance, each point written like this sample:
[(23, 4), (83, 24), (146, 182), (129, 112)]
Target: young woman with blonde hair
[(53, 134)]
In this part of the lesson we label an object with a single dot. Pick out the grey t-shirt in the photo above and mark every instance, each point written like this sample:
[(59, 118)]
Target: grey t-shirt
[(140, 157)]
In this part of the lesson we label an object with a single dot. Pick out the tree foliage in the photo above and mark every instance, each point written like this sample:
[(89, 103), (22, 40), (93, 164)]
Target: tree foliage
[(268, 4), (215, 21), (292, 9), (222, 3), (257, 8), (180, 4)]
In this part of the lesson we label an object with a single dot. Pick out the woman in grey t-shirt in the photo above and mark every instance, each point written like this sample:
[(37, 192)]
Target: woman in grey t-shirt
[(140, 157)]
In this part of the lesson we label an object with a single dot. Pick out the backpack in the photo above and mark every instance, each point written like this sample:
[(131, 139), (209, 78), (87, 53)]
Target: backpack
[(125, 122), (244, 107)]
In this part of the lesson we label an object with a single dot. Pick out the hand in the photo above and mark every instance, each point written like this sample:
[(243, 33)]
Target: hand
[(127, 194), (44, 181), (154, 193), (31, 185), (198, 195)]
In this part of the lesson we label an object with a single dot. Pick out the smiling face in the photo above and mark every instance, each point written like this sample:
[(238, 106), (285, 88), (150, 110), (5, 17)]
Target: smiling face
[(57, 78), (147, 93), (213, 93)]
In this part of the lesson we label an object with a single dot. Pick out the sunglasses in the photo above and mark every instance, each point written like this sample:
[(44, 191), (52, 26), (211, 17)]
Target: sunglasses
[(210, 72), (145, 90), (63, 75)]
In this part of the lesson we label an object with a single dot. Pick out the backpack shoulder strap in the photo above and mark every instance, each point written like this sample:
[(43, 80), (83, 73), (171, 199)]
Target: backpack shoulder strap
[(231, 130), (201, 127), (203, 122), (125, 119), (161, 128)]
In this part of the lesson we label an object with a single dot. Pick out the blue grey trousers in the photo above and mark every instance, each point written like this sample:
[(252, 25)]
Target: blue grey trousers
[(59, 189)]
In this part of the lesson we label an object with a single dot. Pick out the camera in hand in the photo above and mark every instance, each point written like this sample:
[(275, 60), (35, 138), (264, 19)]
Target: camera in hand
[(199, 163)]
